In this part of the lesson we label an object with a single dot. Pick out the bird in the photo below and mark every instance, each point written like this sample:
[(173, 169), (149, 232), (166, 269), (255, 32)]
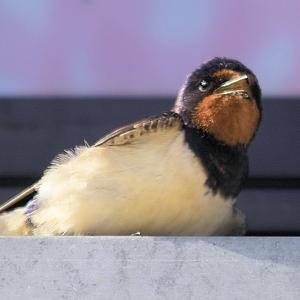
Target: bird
[(177, 173)]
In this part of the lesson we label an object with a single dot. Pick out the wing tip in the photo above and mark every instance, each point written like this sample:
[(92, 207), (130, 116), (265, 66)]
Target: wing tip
[(13, 201)]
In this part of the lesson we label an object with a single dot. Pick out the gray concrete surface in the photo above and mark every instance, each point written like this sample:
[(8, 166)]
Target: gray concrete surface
[(150, 268)]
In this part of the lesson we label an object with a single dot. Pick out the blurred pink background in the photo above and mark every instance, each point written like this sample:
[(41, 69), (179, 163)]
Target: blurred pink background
[(135, 47)]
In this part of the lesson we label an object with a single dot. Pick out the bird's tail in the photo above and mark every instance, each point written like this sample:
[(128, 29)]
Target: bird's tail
[(14, 223)]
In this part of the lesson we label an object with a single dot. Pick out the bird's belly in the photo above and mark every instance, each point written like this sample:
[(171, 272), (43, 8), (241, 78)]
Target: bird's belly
[(156, 190)]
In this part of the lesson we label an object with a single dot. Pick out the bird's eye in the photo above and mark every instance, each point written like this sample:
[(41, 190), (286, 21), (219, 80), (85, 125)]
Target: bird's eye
[(203, 85)]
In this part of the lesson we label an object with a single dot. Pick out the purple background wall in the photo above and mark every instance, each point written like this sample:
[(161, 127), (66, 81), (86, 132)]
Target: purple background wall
[(139, 47)]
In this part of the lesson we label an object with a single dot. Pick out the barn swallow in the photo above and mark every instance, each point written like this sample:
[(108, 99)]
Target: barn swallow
[(178, 173)]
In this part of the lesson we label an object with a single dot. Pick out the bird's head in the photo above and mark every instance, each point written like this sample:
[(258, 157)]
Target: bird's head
[(222, 98)]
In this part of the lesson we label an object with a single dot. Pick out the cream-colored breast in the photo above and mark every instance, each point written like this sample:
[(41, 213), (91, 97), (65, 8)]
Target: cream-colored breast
[(155, 186)]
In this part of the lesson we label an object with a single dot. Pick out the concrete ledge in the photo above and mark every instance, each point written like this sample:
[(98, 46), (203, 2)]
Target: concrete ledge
[(150, 268)]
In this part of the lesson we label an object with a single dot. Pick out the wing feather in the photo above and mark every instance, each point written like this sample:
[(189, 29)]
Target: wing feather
[(19, 199), (130, 133)]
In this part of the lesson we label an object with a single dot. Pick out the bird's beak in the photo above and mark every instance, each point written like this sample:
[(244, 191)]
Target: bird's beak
[(238, 85)]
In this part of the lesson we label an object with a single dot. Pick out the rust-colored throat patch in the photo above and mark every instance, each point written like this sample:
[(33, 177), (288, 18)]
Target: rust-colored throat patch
[(230, 118)]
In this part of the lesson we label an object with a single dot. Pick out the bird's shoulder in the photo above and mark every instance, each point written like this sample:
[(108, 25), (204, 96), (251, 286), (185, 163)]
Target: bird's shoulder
[(145, 127)]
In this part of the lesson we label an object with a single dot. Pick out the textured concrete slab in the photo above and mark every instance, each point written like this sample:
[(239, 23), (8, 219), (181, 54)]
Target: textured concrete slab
[(150, 268)]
